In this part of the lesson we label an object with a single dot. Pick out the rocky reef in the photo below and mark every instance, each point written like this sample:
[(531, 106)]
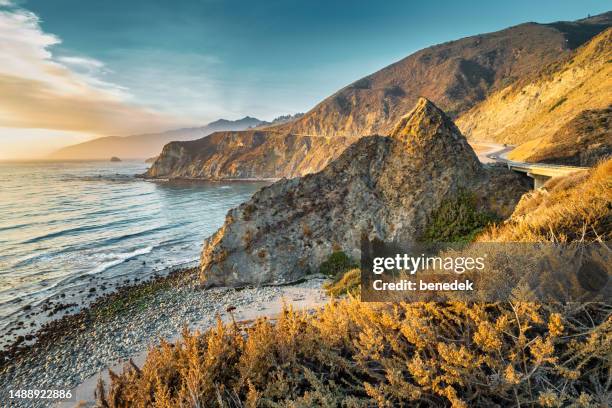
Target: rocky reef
[(385, 187)]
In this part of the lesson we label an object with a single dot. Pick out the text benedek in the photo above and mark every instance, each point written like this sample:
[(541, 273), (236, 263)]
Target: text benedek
[(405, 285)]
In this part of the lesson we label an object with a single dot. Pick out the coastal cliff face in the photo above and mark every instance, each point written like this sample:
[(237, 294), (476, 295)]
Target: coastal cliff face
[(385, 187), (246, 155)]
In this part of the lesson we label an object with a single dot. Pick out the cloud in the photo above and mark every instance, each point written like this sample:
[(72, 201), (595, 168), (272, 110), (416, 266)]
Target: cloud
[(67, 93)]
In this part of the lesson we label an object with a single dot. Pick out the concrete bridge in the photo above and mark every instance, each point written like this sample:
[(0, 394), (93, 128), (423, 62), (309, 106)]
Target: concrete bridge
[(539, 172)]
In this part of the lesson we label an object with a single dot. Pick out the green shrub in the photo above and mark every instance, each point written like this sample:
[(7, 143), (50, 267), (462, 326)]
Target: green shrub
[(457, 220), (337, 263), (557, 104)]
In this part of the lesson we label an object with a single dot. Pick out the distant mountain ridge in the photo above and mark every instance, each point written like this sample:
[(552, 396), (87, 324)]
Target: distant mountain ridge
[(149, 144), (456, 76)]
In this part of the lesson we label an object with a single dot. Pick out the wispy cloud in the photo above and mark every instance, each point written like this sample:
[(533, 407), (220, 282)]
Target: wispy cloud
[(67, 93)]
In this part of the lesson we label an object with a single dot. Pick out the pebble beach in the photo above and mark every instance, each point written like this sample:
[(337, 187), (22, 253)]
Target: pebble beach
[(73, 352)]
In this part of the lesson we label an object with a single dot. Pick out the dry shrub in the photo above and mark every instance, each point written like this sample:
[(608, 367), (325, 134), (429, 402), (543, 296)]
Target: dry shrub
[(576, 207), (357, 354), (348, 283)]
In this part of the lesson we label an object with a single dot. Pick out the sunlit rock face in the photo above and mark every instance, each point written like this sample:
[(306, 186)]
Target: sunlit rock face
[(253, 154), (385, 187)]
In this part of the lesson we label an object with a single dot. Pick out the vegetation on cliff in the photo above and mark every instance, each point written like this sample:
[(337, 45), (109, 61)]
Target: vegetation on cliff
[(458, 220), (583, 141), (576, 207)]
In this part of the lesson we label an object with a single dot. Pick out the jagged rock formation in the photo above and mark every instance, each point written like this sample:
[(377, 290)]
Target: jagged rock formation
[(455, 75), (583, 141), (538, 106), (384, 187), (245, 155)]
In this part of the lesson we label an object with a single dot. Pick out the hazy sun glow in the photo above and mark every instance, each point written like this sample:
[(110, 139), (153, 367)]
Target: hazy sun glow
[(48, 102)]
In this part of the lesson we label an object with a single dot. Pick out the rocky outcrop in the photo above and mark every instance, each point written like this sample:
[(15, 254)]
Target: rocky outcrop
[(246, 155), (385, 187)]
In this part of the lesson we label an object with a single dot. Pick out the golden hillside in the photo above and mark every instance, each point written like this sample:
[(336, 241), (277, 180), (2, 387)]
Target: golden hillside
[(570, 208), (583, 141), (538, 108)]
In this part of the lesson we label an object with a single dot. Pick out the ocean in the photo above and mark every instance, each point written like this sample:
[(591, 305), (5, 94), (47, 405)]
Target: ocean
[(65, 226)]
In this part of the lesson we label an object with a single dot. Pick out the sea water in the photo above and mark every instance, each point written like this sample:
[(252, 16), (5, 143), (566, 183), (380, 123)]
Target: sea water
[(65, 226)]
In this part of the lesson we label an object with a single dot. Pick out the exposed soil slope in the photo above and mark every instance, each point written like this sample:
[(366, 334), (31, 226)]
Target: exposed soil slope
[(537, 107), (583, 141)]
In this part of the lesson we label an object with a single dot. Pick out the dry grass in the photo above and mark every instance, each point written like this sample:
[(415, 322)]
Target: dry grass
[(348, 283), (355, 354), (576, 207)]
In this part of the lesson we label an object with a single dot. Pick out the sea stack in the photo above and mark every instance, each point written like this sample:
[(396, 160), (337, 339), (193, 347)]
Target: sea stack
[(115, 159), (382, 186)]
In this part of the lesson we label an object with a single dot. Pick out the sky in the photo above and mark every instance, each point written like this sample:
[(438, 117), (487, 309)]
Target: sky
[(72, 70)]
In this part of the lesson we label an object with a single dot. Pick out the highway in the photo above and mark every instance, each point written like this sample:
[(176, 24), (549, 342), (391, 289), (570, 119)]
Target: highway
[(539, 172)]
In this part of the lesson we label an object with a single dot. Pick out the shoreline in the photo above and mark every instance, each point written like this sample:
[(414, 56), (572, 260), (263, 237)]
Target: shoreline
[(75, 349), (206, 180)]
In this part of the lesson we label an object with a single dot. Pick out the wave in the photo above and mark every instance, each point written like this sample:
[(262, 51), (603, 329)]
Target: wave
[(118, 258), (121, 258)]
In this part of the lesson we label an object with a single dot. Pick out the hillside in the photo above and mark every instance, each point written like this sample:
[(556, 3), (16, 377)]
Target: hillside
[(245, 155), (537, 107), (146, 145), (385, 187), (454, 75), (571, 208), (583, 141)]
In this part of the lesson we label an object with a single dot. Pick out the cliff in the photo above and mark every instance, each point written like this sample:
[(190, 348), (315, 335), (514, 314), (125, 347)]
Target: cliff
[(245, 155), (537, 107), (385, 187)]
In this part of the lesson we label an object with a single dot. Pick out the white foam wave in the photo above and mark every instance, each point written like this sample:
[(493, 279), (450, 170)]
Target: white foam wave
[(119, 258)]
